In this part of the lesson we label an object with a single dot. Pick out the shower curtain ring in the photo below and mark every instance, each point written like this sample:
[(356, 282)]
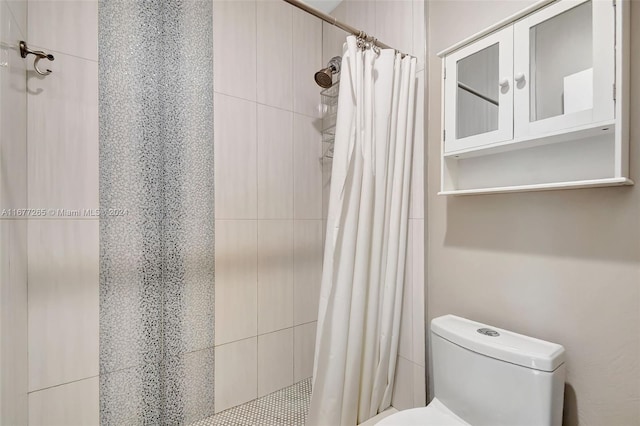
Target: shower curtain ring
[(375, 47), (361, 40)]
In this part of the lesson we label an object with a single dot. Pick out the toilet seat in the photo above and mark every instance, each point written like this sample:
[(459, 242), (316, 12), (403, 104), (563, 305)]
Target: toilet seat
[(434, 414)]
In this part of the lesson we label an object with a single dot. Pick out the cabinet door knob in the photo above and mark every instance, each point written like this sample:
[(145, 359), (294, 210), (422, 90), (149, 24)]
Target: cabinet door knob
[(520, 77), (504, 83)]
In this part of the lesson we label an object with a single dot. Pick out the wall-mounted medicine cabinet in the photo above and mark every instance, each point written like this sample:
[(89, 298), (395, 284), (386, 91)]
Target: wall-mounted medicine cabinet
[(539, 101)]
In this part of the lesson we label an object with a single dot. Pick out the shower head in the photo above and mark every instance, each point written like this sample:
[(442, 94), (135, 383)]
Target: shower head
[(324, 77)]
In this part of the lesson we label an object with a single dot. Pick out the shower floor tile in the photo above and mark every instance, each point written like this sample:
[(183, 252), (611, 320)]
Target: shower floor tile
[(286, 407)]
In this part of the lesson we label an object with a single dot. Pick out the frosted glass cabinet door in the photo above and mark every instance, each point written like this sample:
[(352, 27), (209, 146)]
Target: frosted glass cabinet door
[(564, 65), (478, 93)]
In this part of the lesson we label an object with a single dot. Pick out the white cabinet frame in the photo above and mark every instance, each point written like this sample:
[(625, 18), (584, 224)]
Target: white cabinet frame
[(504, 40), (603, 60), (581, 149)]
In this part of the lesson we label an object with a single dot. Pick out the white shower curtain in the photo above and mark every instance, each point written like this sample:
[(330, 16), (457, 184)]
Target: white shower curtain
[(364, 262)]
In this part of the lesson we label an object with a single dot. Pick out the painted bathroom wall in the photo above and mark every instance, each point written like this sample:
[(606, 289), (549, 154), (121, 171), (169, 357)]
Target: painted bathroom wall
[(562, 266), (400, 24), (268, 204), (13, 229)]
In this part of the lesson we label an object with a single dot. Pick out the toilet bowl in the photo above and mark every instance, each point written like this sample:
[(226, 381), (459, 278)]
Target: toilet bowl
[(487, 376), (436, 413)]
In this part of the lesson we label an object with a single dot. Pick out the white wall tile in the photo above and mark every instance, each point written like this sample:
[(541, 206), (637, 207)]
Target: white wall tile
[(13, 114), (72, 404), (307, 182), (416, 201), (394, 24), (419, 386), (307, 269), (403, 386), (275, 361), (63, 134), (63, 266), (275, 54), (13, 322), (362, 15), (18, 9), (275, 275), (418, 285), (69, 27), (332, 40), (236, 158), (307, 59), (340, 11), (236, 280), (333, 37), (13, 233), (304, 343), (236, 373), (405, 348), (275, 163), (234, 48)]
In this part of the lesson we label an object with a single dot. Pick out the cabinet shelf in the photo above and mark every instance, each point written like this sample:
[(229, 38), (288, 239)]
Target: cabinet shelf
[(590, 130), (592, 183)]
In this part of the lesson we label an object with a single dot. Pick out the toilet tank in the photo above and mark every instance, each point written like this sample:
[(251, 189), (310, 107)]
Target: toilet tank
[(489, 376)]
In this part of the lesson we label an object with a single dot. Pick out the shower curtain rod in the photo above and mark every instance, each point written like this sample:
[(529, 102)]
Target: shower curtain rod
[(345, 27)]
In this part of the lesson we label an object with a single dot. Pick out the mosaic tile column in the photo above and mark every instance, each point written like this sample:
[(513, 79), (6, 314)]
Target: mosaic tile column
[(156, 202)]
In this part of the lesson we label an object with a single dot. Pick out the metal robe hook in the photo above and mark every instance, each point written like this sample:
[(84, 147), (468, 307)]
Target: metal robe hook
[(24, 51)]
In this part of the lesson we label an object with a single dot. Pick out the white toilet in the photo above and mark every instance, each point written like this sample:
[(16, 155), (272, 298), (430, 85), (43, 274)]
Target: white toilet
[(486, 376)]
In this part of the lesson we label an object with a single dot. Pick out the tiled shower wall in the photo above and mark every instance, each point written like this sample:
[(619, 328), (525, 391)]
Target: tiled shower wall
[(401, 24), (58, 158), (268, 180), (156, 199), (13, 230), (62, 177), (266, 103)]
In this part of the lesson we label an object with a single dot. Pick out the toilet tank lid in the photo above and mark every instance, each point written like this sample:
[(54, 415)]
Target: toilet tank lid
[(506, 345)]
